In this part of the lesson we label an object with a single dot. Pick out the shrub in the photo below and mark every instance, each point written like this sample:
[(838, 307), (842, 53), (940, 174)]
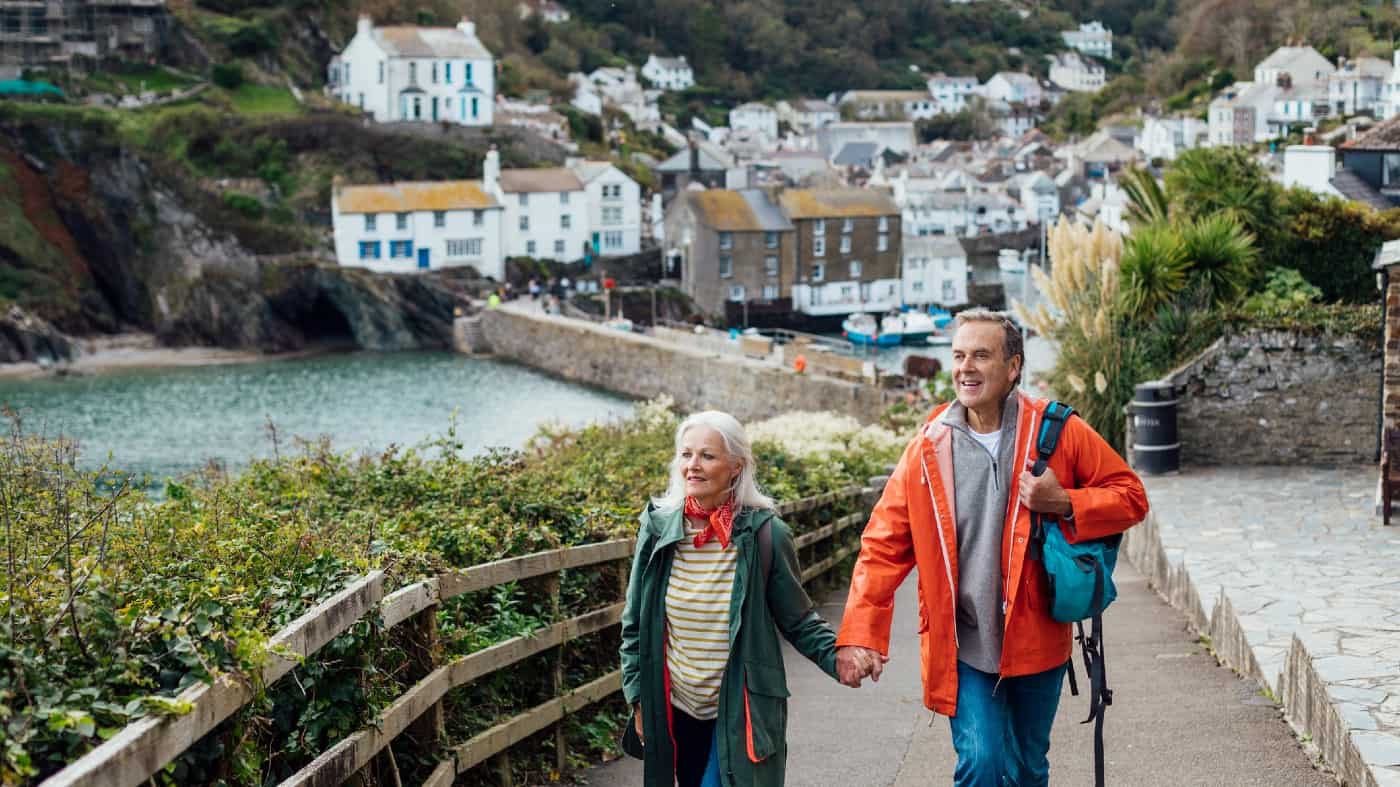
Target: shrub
[(1153, 269), (248, 207), (228, 76), (1221, 256)]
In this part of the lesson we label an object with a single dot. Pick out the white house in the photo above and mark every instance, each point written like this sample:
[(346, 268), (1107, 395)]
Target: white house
[(546, 210), (1358, 86), (1071, 71), (808, 114), (1039, 197), (1312, 167), (1166, 138), (669, 73), (1240, 114), (408, 227), (890, 104), (614, 207), (1013, 87), (416, 74), (952, 93), (1012, 120), (754, 116), (934, 271), (897, 136), (928, 208), (548, 10), (618, 88), (1299, 65), (1390, 91), (1092, 38)]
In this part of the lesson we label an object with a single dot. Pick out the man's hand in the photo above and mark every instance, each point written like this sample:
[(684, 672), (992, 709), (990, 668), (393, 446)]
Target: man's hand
[(637, 722), (1043, 493), (854, 663)]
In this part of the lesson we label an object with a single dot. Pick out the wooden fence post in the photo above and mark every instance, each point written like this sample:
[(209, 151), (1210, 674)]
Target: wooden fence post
[(561, 749), (424, 650)]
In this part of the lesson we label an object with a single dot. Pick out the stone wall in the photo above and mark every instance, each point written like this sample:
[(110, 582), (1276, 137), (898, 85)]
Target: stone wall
[(644, 367), (1275, 397), (1392, 347)]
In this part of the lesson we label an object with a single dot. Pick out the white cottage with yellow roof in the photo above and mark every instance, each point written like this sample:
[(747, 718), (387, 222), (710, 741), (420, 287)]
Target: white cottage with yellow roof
[(411, 227), (407, 73)]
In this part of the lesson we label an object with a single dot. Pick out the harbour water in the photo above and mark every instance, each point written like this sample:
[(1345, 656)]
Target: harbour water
[(165, 422)]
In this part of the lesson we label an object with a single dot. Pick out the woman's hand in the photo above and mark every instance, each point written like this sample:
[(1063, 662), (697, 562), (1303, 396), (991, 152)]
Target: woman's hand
[(637, 722)]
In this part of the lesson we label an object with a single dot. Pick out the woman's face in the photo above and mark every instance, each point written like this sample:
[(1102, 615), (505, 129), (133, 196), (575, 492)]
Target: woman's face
[(707, 467)]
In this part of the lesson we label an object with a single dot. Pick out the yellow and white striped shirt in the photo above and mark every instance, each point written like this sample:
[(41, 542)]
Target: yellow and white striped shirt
[(697, 622)]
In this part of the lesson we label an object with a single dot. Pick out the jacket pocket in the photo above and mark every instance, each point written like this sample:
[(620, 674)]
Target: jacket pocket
[(765, 710)]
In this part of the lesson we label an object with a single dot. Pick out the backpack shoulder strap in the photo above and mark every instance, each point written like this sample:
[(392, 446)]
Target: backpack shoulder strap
[(1051, 425)]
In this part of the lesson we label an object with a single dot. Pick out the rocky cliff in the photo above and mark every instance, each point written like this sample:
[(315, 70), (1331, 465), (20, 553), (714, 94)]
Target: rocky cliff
[(96, 238)]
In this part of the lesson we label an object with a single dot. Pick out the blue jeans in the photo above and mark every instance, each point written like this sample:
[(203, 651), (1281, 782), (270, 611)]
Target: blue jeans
[(1002, 733)]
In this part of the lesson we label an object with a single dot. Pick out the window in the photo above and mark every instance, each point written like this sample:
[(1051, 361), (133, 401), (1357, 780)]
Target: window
[(613, 191), (370, 222), (884, 223), (447, 72), (412, 73), (369, 249), (563, 198), (467, 70), (478, 218), (612, 239), (949, 291), (882, 243), (726, 240), (845, 244), (855, 269), (401, 221), (736, 293), (565, 221), (524, 223), (524, 200), (726, 266), (847, 225), (917, 286), (770, 240), (612, 216), (819, 227), (770, 292), (400, 248), (1390, 172), (819, 247), (848, 293), (434, 72), (362, 101), (346, 68), (381, 72), (465, 247), (558, 247), (818, 272), (439, 218), (530, 248)]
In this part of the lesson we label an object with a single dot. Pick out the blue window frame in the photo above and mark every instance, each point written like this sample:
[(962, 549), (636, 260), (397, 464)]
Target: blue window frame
[(369, 249), (467, 72), (447, 72), (400, 248)]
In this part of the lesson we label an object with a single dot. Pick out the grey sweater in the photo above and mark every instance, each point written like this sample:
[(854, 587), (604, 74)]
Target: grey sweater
[(981, 483)]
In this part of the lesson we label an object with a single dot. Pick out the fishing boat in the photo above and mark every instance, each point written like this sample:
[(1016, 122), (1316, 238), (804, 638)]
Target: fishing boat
[(864, 330), (911, 327), (941, 317)]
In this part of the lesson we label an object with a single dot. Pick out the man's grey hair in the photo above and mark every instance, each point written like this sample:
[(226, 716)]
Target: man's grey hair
[(1011, 335), (744, 487)]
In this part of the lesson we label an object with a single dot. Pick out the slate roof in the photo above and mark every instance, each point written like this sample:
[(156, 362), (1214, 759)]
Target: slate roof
[(410, 41), (415, 196), (1382, 136), (539, 180), (748, 210), (709, 160), (856, 154), (1357, 190)]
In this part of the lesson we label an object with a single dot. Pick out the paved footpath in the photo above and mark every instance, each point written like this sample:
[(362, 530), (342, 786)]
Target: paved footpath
[(1177, 719), (1298, 584)]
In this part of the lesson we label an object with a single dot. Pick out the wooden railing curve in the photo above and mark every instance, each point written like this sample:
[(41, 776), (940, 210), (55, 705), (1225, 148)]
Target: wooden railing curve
[(142, 748)]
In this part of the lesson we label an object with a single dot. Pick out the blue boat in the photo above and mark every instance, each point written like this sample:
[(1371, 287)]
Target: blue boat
[(941, 317), (863, 330)]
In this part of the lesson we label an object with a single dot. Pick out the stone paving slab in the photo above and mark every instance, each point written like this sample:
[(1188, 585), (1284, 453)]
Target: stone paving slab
[(1291, 573)]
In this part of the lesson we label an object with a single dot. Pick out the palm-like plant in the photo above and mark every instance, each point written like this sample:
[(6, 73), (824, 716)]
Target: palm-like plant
[(1147, 202), (1152, 271), (1221, 256), (1206, 181)]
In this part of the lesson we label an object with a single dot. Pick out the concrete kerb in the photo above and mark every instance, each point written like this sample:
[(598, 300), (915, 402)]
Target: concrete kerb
[(1301, 692)]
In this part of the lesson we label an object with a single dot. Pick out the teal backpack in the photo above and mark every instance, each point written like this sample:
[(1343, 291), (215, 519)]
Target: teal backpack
[(1080, 578)]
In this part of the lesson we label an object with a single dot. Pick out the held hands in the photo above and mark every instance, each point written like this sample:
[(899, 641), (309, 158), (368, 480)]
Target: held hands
[(1043, 493), (854, 663)]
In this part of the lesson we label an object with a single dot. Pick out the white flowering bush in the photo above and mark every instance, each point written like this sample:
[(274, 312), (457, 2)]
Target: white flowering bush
[(814, 435)]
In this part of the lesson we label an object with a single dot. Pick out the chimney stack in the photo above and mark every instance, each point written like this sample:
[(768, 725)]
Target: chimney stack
[(364, 25), (467, 27), (491, 172)]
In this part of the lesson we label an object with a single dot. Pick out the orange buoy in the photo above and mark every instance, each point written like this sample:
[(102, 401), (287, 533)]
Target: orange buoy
[(800, 364)]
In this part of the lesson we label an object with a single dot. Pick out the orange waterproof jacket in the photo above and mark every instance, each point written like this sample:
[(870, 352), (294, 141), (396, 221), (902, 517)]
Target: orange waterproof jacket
[(914, 524)]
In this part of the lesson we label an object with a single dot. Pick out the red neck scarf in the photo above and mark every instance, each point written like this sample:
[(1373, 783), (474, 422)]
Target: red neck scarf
[(721, 521)]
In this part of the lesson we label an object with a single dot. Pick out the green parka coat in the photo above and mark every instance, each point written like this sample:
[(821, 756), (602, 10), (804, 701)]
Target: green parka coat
[(752, 724)]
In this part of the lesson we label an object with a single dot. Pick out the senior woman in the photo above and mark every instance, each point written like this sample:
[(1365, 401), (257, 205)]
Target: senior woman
[(714, 580)]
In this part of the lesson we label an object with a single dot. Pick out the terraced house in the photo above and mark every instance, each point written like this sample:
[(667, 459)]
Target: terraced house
[(848, 248), (416, 74), (732, 246), (410, 227)]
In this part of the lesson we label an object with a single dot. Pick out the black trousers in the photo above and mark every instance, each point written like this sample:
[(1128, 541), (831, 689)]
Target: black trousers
[(693, 741)]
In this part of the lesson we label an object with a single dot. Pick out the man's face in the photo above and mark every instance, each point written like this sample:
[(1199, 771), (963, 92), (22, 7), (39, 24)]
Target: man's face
[(982, 374)]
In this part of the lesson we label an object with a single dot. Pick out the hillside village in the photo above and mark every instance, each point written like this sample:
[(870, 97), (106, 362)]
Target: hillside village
[(793, 210)]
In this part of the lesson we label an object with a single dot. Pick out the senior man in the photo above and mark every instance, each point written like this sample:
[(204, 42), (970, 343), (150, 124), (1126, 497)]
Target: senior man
[(958, 506)]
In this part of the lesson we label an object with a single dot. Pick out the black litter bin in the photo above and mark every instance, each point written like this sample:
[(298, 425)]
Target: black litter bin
[(1156, 449)]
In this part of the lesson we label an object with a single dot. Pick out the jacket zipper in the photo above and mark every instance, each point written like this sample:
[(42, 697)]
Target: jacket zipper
[(943, 545), (1015, 516)]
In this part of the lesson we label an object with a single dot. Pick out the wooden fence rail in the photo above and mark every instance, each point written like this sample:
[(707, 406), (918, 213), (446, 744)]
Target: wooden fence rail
[(144, 747)]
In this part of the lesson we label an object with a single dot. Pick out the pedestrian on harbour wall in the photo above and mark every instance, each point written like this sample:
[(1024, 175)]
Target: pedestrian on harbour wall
[(958, 507), (534, 287), (714, 582)]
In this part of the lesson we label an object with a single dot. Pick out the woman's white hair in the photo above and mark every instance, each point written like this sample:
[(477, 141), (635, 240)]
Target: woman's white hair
[(736, 444)]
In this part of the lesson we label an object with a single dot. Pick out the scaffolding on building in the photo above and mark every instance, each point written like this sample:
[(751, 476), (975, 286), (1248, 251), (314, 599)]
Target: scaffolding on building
[(45, 34)]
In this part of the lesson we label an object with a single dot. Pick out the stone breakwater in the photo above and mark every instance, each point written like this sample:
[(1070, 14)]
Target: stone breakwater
[(645, 367), (1291, 575), (1266, 397)]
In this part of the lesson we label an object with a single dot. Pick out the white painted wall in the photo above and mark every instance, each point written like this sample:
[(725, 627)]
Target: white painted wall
[(421, 233), (615, 217)]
